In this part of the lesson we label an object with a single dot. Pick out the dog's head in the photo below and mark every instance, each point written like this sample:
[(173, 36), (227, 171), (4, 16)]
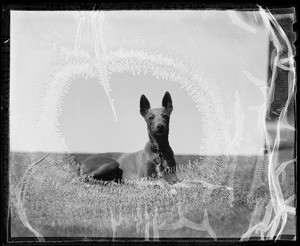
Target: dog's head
[(158, 118)]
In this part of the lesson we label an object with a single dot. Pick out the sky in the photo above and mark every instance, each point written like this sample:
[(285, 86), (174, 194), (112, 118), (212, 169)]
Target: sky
[(228, 49), (87, 107)]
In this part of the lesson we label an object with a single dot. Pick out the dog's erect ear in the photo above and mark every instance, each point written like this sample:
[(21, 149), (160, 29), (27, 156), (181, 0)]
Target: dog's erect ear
[(144, 105), (167, 102)]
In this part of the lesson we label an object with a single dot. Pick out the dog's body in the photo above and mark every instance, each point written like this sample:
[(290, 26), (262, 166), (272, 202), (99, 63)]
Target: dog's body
[(155, 160)]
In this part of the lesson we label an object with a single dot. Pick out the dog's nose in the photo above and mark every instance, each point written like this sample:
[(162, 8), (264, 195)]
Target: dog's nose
[(160, 127)]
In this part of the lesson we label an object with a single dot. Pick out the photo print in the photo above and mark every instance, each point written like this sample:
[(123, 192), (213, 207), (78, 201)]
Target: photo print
[(152, 125)]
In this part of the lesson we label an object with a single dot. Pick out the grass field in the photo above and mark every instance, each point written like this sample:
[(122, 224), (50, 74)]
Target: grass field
[(57, 203)]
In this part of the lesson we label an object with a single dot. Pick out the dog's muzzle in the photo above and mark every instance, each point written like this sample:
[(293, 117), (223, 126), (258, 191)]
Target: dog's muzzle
[(159, 130)]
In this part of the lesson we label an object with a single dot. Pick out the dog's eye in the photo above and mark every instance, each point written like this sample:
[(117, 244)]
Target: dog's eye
[(151, 117), (165, 116)]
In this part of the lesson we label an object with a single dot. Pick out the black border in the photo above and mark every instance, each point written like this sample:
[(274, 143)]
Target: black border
[(5, 92), (240, 5)]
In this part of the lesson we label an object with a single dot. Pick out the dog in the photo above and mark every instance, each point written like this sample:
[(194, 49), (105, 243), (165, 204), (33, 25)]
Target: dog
[(156, 160)]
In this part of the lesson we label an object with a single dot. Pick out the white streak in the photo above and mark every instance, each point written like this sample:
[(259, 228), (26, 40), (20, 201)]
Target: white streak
[(239, 22)]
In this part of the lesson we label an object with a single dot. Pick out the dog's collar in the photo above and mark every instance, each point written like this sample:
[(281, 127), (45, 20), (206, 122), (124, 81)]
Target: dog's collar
[(159, 159), (158, 151), (155, 149)]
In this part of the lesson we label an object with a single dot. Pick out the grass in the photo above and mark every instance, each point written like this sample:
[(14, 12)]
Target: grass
[(58, 203)]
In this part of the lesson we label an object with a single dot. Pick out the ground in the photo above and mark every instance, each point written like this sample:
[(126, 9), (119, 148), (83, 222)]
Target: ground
[(58, 203)]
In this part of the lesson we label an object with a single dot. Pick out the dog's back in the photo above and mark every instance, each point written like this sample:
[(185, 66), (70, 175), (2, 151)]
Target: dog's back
[(135, 165)]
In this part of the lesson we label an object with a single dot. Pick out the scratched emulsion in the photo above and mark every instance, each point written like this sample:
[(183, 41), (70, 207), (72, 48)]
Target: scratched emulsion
[(282, 58), (52, 200)]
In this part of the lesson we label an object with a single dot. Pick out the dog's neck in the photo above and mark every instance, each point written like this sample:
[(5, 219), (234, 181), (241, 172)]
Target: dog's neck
[(159, 144)]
